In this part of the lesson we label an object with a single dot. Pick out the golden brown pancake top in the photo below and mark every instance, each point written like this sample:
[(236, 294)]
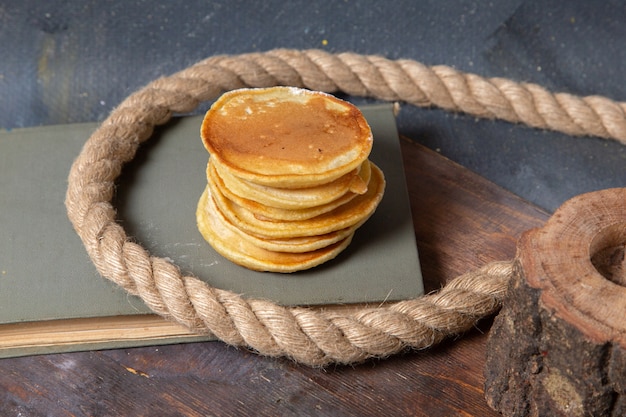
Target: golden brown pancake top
[(285, 130)]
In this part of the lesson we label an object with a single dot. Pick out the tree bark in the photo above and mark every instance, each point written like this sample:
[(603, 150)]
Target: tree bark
[(558, 347)]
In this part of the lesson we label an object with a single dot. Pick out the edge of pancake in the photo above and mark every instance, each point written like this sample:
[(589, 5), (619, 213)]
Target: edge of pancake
[(265, 165), (262, 210), (291, 198), (299, 244), (225, 242), (358, 209)]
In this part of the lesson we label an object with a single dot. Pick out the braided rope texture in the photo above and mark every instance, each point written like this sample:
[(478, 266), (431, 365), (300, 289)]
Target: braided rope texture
[(310, 336)]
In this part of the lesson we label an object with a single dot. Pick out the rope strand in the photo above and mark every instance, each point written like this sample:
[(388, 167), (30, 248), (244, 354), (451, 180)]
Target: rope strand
[(310, 336)]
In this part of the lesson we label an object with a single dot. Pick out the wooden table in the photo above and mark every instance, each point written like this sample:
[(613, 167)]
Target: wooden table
[(461, 222)]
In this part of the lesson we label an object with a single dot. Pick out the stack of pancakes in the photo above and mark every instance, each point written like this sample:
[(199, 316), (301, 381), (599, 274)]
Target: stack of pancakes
[(289, 180)]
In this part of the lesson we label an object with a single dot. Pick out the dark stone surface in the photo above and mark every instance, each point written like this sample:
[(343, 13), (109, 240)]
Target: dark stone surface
[(73, 61)]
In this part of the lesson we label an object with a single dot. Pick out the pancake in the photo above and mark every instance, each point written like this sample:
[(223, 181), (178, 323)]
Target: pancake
[(292, 245), (286, 137), (349, 214), (288, 178), (267, 212), (231, 246), (291, 198)]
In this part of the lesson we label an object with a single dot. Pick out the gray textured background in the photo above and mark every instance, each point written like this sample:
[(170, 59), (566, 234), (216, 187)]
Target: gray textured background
[(73, 61)]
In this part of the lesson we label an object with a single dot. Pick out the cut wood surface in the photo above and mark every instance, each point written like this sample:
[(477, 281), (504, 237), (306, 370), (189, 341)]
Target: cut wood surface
[(559, 345), (461, 222)]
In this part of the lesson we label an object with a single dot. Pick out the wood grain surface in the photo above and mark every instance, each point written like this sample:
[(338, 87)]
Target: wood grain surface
[(461, 222), (565, 354)]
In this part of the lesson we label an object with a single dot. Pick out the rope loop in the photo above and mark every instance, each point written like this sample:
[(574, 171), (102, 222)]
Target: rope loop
[(309, 336)]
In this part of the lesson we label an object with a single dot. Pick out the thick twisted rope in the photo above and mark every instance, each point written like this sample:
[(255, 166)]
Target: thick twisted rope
[(310, 336)]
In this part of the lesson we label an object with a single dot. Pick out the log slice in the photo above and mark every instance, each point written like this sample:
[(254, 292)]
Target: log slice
[(558, 346)]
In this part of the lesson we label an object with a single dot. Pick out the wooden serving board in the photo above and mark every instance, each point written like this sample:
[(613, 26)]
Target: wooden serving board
[(461, 222)]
